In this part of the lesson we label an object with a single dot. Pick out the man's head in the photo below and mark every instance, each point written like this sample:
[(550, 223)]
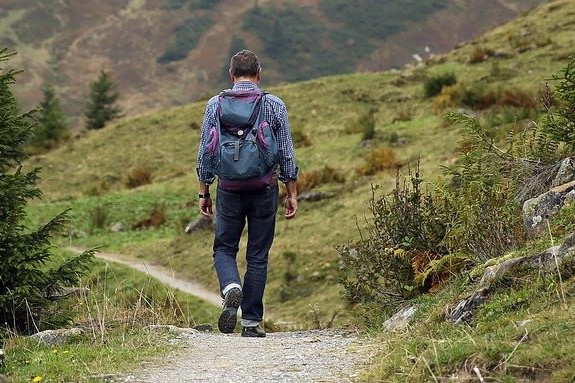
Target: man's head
[(245, 64)]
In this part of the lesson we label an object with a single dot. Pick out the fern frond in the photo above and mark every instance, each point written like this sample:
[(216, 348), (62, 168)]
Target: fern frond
[(444, 267)]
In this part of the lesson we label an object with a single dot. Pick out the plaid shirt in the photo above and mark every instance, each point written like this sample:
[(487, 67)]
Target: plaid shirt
[(275, 113)]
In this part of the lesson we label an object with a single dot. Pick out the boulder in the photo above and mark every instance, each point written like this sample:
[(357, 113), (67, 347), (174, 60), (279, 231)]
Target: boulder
[(548, 261), (537, 210), (400, 319), (199, 224), (57, 337), (565, 173)]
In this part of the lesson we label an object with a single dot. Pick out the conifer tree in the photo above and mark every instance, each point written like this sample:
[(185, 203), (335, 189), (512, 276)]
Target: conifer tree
[(101, 105), (52, 121), (27, 284)]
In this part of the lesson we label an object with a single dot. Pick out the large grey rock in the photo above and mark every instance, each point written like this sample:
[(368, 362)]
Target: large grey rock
[(537, 210), (566, 172), (400, 320), (199, 224), (57, 337), (548, 261)]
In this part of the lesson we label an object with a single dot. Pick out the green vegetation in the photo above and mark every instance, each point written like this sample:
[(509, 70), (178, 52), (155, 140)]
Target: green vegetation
[(304, 46), (29, 30), (101, 105), (60, 44), (187, 36), (434, 85), (114, 310), (191, 4), (359, 18), (28, 289), (521, 334), (450, 206), (52, 124)]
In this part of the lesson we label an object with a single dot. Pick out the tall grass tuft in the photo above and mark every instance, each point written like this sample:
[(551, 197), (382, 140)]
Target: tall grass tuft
[(378, 159), (139, 176)]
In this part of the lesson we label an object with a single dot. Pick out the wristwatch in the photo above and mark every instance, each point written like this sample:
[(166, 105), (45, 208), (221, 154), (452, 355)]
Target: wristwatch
[(205, 195)]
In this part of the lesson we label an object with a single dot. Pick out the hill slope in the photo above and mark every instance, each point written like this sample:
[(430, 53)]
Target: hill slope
[(165, 53), (91, 174)]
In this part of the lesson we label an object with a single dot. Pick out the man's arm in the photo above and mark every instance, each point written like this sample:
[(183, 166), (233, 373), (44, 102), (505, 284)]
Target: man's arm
[(205, 177)]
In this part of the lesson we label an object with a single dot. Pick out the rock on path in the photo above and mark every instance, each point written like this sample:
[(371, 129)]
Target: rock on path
[(302, 357)]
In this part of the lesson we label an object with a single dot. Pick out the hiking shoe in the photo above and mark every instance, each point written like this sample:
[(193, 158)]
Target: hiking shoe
[(229, 315), (254, 332)]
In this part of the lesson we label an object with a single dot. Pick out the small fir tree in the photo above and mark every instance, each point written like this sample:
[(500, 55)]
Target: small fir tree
[(101, 105), (52, 121), (27, 284)]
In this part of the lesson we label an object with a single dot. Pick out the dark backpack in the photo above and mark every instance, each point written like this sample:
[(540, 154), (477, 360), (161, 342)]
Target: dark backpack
[(242, 150)]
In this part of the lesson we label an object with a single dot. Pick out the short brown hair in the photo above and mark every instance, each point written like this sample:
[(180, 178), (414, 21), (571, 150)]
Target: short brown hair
[(245, 64)]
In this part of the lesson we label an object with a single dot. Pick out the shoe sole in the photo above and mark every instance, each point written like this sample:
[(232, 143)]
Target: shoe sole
[(229, 315)]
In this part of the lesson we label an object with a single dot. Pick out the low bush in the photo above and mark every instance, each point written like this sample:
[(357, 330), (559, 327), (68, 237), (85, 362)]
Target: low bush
[(314, 178), (479, 54), (139, 176), (156, 218), (378, 159), (364, 123), (99, 217), (300, 139), (433, 85), (480, 97), (406, 234)]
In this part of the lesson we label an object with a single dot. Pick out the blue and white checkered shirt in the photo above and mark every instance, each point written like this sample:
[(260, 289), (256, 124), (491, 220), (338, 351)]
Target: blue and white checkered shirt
[(275, 113)]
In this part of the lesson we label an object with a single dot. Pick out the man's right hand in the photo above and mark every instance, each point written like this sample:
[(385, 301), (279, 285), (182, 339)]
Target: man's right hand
[(290, 205), (206, 207)]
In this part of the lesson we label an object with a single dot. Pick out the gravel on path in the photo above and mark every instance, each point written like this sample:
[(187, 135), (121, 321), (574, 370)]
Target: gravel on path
[(303, 357)]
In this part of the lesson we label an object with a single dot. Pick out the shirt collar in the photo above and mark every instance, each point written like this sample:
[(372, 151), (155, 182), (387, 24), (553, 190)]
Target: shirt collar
[(244, 85)]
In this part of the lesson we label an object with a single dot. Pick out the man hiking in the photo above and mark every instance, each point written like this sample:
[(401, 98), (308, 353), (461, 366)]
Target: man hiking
[(229, 144)]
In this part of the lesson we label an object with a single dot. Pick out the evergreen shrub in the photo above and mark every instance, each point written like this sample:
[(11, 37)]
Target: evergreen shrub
[(30, 280)]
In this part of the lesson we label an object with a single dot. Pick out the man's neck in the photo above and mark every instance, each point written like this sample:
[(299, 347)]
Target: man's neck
[(244, 79)]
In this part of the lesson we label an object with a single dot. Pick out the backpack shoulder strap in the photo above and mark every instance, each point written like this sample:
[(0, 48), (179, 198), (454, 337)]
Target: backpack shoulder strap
[(239, 110)]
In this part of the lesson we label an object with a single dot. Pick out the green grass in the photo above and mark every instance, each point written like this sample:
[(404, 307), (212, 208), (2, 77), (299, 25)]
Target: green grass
[(82, 359), (114, 313), (520, 334)]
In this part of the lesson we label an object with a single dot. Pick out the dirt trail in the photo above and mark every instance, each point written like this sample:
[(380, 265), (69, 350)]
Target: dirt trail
[(282, 357), (162, 274), (333, 355)]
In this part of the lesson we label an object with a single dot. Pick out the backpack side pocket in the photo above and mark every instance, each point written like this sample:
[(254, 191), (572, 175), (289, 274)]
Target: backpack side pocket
[(267, 143)]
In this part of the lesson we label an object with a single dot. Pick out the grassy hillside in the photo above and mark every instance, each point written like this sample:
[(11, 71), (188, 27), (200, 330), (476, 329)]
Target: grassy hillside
[(164, 53), (91, 175)]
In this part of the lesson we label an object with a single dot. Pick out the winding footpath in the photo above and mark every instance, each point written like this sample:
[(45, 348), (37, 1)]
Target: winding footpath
[(304, 356)]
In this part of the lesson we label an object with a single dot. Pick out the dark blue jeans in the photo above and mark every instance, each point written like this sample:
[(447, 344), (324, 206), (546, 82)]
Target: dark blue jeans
[(233, 210)]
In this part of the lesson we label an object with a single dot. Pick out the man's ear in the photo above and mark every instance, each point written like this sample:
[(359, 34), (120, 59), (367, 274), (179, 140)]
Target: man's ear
[(231, 77)]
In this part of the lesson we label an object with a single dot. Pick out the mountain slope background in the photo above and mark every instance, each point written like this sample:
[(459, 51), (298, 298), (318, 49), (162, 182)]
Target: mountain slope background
[(164, 53), (94, 174)]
